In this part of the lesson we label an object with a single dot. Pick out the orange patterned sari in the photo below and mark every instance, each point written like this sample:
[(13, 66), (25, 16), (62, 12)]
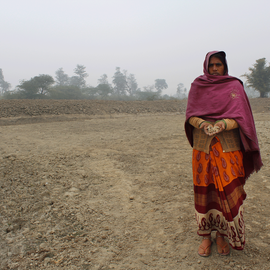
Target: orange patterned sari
[(218, 180)]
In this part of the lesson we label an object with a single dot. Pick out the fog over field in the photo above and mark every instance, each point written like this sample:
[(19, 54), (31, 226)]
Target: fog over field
[(150, 39)]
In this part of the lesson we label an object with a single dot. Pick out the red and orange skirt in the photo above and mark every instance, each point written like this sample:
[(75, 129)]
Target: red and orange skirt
[(219, 180)]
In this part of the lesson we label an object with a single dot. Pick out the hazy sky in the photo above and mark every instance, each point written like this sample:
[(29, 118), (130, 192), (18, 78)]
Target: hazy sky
[(152, 39)]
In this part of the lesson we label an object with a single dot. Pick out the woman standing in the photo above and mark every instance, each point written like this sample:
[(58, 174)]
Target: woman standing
[(220, 128)]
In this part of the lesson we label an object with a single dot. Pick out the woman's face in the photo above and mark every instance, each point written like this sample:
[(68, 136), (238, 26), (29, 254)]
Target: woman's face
[(216, 67)]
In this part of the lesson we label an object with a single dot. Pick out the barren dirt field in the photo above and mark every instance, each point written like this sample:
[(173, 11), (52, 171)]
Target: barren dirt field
[(108, 185)]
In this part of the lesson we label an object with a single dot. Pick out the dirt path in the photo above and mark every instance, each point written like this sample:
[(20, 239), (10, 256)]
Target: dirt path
[(114, 193)]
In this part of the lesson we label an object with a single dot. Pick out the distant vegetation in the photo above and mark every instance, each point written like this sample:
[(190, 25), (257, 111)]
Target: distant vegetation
[(123, 87), (259, 77)]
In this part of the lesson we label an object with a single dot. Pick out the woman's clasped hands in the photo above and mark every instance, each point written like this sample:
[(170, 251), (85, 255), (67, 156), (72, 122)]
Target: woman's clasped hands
[(210, 129)]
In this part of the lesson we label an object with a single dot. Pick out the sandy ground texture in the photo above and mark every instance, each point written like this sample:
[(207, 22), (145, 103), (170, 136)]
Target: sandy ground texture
[(113, 190)]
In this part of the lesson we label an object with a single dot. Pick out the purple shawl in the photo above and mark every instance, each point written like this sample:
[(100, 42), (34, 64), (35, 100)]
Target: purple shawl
[(217, 97)]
